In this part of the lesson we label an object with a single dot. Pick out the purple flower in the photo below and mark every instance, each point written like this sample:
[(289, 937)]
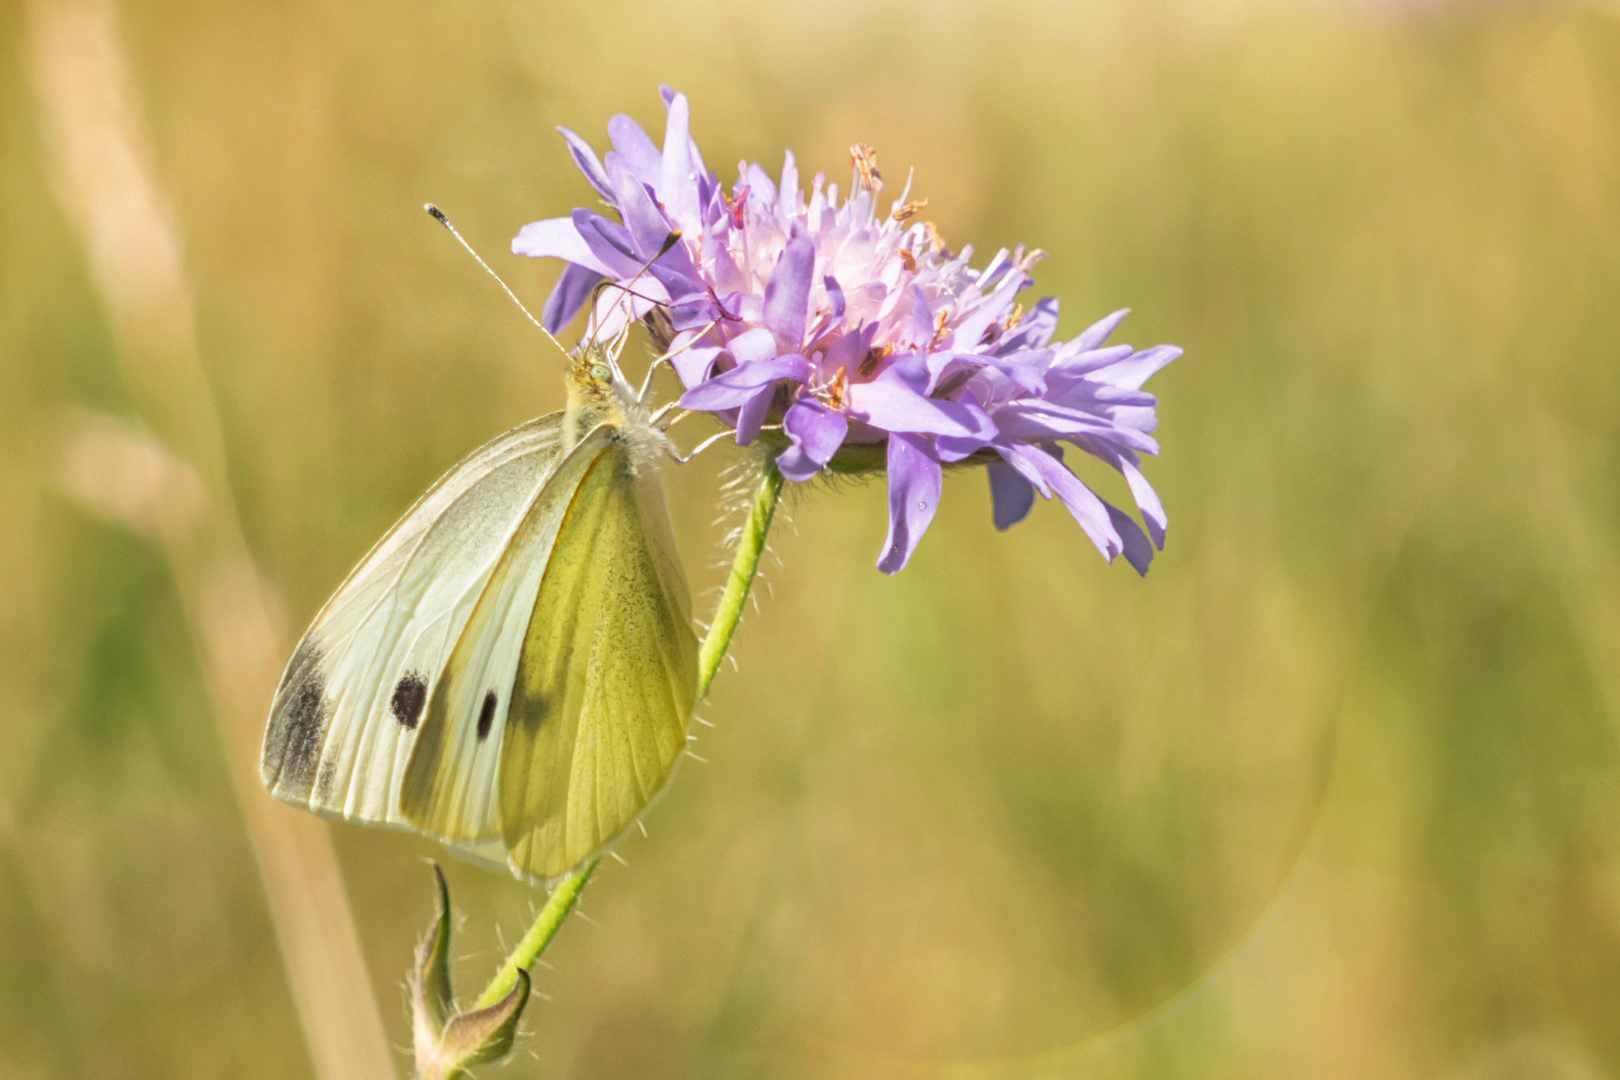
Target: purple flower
[(852, 337)]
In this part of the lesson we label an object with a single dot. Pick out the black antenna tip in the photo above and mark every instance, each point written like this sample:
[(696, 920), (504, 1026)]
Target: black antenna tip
[(438, 215), (669, 241)]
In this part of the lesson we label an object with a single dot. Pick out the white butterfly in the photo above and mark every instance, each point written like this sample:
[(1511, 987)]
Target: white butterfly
[(512, 668)]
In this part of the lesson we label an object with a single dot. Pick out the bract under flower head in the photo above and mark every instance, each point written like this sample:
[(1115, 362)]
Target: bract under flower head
[(848, 329)]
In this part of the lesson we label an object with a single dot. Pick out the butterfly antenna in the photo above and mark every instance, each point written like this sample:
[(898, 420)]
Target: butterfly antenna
[(438, 215)]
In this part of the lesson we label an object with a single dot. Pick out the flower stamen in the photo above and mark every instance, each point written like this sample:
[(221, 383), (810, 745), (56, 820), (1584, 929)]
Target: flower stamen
[(873, 359), (832, 391), (908, 209), (864, 160)]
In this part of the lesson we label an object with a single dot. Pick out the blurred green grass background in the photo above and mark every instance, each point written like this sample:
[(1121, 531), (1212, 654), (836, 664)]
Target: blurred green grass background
[(1332, 793)]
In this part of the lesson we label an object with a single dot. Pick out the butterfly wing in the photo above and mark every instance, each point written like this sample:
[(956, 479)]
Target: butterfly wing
[(450, 786), (346, 714), (607, 678)]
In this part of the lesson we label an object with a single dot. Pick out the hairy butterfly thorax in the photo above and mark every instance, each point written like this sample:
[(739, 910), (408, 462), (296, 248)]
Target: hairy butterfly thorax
[(599, 397)]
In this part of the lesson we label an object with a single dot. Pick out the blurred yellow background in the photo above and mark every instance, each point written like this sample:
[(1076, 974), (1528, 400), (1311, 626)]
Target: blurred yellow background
[(1334, 792)]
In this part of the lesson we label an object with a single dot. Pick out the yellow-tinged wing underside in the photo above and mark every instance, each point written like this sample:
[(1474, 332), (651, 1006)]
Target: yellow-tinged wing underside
[(553, 758)]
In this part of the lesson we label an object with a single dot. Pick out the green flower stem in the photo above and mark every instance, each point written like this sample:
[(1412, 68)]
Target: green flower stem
[(744, 565), (546, 924)]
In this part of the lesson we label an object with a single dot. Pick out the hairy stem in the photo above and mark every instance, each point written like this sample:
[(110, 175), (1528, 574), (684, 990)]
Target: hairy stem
[(545, 927), (744, 566)]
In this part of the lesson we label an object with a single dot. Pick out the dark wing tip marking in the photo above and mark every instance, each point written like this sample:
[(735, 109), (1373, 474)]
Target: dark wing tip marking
[(325, 781), (486, 716), (298, 724), (410, 697)]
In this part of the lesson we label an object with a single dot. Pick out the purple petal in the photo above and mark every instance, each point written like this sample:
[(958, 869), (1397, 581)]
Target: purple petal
[(894, 406), (1044, 420), (790, 176), (693, 312), (751, 417), (1089, 510), (752, 346), (1138, 422), (1011, 495), (646, 223), (950, 448), (1138, 551), (588, 164), (835, 297), (761, 190), (668, 94), (737, 387), (1025, 370), (967, 333), (1034, 330), (1097, 333), (787, 293), (573, 288), (914, 487), (1012, 454), (1080, 392), (559, 238), (1147, 501), (816, 433), (1140, 367), (1076, 362), (620, 307), (692, 365), (609, 243), (850, 349), (677, 181), (921, 317), (638, 151)]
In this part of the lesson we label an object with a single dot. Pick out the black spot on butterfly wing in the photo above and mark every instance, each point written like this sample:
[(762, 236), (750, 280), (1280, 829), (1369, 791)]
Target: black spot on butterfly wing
[(533, 712), (292, 750), (486, 716), (410, 697)]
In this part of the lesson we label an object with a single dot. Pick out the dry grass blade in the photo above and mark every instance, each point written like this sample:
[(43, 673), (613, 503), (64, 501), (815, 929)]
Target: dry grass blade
[(171, 488)]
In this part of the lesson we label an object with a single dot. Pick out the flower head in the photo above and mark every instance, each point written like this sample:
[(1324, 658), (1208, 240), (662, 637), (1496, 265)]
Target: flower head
[(848, 333)]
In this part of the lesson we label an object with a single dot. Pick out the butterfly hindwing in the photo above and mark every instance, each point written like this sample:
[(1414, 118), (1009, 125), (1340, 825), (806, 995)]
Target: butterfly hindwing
[(607, 679), (351, 701)]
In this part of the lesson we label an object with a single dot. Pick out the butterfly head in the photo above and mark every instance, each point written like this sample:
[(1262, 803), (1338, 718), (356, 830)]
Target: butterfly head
[(597, 392)]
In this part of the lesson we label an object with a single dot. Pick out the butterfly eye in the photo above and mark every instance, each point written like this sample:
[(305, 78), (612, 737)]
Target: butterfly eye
[(600, 373)]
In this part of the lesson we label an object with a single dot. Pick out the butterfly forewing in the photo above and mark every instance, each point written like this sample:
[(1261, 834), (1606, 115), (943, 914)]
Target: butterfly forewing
[(450, 785), (349, 706)]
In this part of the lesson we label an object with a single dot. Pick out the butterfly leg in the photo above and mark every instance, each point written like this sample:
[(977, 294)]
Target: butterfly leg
[(657, 417), (698, 449), (646, 382), (710, 441), (692, 339)]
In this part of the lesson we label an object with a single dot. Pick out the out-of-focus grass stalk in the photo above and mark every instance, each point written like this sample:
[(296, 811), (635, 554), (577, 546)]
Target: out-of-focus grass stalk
[(728, 612), (91, 126)]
